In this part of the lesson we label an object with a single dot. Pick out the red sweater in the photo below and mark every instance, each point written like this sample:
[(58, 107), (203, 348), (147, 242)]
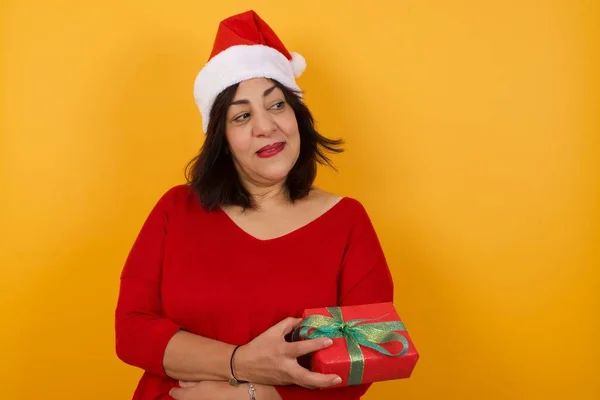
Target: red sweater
[(196, 270)]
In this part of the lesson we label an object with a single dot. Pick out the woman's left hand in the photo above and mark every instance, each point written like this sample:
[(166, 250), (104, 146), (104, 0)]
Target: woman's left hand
[(206, 390)]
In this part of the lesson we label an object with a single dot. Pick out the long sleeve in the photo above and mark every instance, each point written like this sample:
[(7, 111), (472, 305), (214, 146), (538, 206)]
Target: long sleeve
[(364, 278), (142, 331)]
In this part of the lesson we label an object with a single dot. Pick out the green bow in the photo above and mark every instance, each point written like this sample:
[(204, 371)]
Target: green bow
[(357, 332)]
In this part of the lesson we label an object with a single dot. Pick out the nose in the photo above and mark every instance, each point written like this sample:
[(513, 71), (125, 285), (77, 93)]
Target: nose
[(263, 123)]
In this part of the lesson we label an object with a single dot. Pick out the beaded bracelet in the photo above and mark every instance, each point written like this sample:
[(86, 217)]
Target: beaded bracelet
[(251, 391)]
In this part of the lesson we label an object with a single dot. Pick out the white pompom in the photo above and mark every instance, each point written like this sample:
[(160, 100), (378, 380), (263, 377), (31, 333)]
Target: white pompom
[(298, 64)]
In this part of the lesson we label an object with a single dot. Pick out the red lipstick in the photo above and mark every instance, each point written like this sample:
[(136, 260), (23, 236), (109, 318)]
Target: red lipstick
[(270, 150)]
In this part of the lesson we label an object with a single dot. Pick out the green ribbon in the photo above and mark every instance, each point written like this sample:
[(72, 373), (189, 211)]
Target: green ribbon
[(357, 333)]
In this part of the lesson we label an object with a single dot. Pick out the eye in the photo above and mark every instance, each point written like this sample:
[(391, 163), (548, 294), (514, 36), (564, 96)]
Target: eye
[(241, 117), (279, 105)]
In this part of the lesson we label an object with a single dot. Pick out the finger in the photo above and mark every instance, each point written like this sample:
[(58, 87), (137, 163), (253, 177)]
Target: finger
[(302, 347), (288, 325), (185, 384), (311, 379), (177, 393)]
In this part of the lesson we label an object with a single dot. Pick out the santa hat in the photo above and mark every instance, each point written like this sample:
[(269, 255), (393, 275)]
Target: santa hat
[(245, 47)]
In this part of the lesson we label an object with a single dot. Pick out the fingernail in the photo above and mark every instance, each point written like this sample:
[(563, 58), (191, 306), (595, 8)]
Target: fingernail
[(327, 342), (337, 381)]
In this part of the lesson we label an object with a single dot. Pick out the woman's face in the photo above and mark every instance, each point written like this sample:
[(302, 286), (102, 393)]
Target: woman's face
[(262, 133)]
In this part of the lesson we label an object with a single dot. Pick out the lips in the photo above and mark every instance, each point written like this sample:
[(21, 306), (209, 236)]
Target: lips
[(270, 147), (270, 150)]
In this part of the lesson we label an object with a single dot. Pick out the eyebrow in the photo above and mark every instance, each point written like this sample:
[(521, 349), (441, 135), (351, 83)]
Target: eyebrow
[(244, 101)]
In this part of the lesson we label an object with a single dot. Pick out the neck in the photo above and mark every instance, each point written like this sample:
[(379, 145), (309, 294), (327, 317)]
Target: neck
[(267, 196)]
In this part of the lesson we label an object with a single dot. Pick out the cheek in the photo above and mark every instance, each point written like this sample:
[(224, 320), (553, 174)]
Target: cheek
[(290, 127), (238, 142)]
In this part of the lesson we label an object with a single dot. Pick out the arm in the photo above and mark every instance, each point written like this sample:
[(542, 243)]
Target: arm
[(214, 390), (365, 278), (144, 337)]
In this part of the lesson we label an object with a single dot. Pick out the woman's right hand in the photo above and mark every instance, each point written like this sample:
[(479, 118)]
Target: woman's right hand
[(270, 360)]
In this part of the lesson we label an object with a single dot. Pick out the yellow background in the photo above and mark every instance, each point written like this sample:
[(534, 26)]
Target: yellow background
[(472, 135)]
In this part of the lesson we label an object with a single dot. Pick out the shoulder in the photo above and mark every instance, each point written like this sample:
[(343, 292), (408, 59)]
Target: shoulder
[(174, 194), (350, 219), (348, 209), (177, 197), (354, 209), (177, 192), (178, 206)]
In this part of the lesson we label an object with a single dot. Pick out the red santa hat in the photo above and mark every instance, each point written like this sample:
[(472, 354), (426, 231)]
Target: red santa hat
[(245, 47)]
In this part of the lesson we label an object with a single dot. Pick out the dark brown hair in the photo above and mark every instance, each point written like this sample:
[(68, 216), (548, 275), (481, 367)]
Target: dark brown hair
[(212, 174)]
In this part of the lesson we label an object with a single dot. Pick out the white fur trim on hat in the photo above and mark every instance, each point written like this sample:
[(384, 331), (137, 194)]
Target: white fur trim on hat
[(298, 64), (239, 63)]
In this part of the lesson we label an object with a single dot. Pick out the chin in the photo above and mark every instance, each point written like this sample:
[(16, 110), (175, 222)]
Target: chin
[(276, 174), (275, 177)]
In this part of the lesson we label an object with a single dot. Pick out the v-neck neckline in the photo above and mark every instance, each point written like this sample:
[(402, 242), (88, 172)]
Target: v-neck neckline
[(291, 233)]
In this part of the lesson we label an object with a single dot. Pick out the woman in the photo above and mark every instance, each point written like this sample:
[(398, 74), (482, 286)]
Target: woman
[(224, 266)]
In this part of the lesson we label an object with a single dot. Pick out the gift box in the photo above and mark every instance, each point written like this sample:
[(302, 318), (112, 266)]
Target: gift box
[(370, 343)]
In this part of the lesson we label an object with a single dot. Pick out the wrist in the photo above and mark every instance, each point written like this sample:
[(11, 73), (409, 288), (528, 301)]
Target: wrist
[(240, 392), (240, 364), (251, 391), (266, 392)]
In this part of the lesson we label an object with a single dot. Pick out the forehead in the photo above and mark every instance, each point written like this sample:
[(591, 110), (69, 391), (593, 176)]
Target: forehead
[(254, 88)]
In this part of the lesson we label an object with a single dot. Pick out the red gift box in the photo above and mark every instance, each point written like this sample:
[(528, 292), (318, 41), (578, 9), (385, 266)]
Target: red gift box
[(370, 343)]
